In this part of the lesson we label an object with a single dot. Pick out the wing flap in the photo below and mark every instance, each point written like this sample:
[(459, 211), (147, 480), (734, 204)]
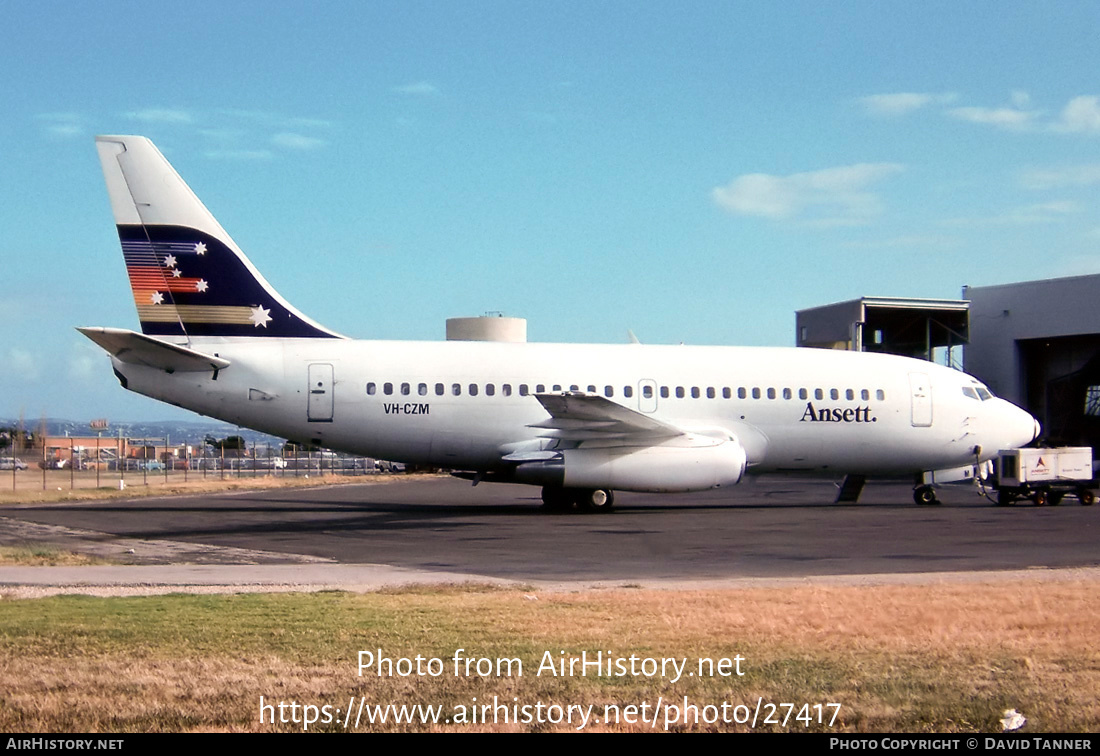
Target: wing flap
[(138, 349), (588, 417)]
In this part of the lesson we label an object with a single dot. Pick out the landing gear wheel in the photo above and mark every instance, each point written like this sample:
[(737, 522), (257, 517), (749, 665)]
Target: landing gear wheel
[(557, 499), (925, 495), (596, 500), (1086, 497)]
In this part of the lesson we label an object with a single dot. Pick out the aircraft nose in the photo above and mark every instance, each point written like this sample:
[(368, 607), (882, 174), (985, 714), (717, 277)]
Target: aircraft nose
[(1022, 427)]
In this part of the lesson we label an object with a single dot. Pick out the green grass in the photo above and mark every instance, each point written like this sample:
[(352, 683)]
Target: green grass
[(201, 662), (44, 555)]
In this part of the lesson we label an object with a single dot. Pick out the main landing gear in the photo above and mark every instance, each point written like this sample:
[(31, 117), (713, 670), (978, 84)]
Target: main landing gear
[(558, 499)]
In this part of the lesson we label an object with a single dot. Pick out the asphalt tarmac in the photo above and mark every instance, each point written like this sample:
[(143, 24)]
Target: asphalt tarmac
[(771, 527)]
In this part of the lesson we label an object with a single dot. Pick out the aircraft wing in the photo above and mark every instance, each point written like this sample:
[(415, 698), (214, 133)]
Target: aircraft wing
[(587, 417), (138, 349)]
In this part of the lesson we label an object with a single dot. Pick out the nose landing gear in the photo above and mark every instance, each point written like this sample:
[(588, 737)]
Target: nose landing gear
[(925, 496)]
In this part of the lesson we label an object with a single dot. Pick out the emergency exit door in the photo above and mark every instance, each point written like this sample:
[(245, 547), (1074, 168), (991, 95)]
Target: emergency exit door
[(921, 389), (320, 394)]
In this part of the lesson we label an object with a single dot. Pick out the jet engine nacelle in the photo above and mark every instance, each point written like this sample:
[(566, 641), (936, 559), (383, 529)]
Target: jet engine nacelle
[(702, 464)]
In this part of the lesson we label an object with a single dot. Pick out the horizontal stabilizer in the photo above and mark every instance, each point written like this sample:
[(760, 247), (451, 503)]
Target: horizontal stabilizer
[(138, 349)]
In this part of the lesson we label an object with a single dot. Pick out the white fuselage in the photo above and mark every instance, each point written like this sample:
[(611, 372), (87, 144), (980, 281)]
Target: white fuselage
[(791, 409)]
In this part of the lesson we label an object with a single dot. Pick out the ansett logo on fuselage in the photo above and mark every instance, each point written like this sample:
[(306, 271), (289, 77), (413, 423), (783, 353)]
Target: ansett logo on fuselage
[(837, 415)]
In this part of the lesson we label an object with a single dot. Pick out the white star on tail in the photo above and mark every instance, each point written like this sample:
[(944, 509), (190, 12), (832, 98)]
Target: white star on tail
[(201, 285), (260, 317), (177, 273), (157, 298), (200, 248), (170, 261)]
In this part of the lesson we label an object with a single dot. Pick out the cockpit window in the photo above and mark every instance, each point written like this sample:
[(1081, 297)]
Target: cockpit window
[(977, 391)]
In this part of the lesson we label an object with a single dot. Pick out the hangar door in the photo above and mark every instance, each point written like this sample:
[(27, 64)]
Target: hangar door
[(320, 394), (921, 391)]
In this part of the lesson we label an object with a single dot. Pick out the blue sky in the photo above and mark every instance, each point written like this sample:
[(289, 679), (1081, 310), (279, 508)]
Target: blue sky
[(695, 171)]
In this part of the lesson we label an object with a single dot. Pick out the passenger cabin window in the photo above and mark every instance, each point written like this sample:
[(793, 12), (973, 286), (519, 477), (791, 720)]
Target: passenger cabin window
[(694, 392), (755, 392), (880, 395), (850, 395), (371, 389), (726, 393), (664, 392), (710, 392), (741, 393), (439, 389), (557, 387), (865, 394), (771, 393), (473, 389), (490, 389), (574, 387), (834, 394), (787, 393), (523, 389), (456, 389), (647, 391), (819, 394), (506, 389), (803, 394), (628, 391), (405, 389), (591, 389), (540, 388), (387, 388), (422, 389), (608, 391)]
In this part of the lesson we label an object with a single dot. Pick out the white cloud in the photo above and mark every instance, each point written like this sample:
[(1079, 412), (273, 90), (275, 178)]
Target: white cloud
[(161, 115), (310, 123), (1056, 178), (222, 135), (21, 364), (63, 125), (1081, 115), (296, 141), (901, 103), (912, 241), (239, 154), (841, 192), (1012, 119), (84, 361), (1042, 212), (418, 88), (65, 130)]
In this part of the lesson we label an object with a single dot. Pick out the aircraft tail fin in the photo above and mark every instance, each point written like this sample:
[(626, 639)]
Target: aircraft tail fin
[(188, 276)]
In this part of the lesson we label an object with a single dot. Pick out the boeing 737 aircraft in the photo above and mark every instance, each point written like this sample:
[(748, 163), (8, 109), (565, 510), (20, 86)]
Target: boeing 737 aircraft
[(581, 421)]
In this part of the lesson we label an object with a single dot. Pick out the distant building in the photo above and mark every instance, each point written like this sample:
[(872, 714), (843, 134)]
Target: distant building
[(1035, 343), (923, 328)]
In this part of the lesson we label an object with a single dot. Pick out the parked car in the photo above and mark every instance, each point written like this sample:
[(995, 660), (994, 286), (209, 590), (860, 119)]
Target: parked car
[(12, 463)]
